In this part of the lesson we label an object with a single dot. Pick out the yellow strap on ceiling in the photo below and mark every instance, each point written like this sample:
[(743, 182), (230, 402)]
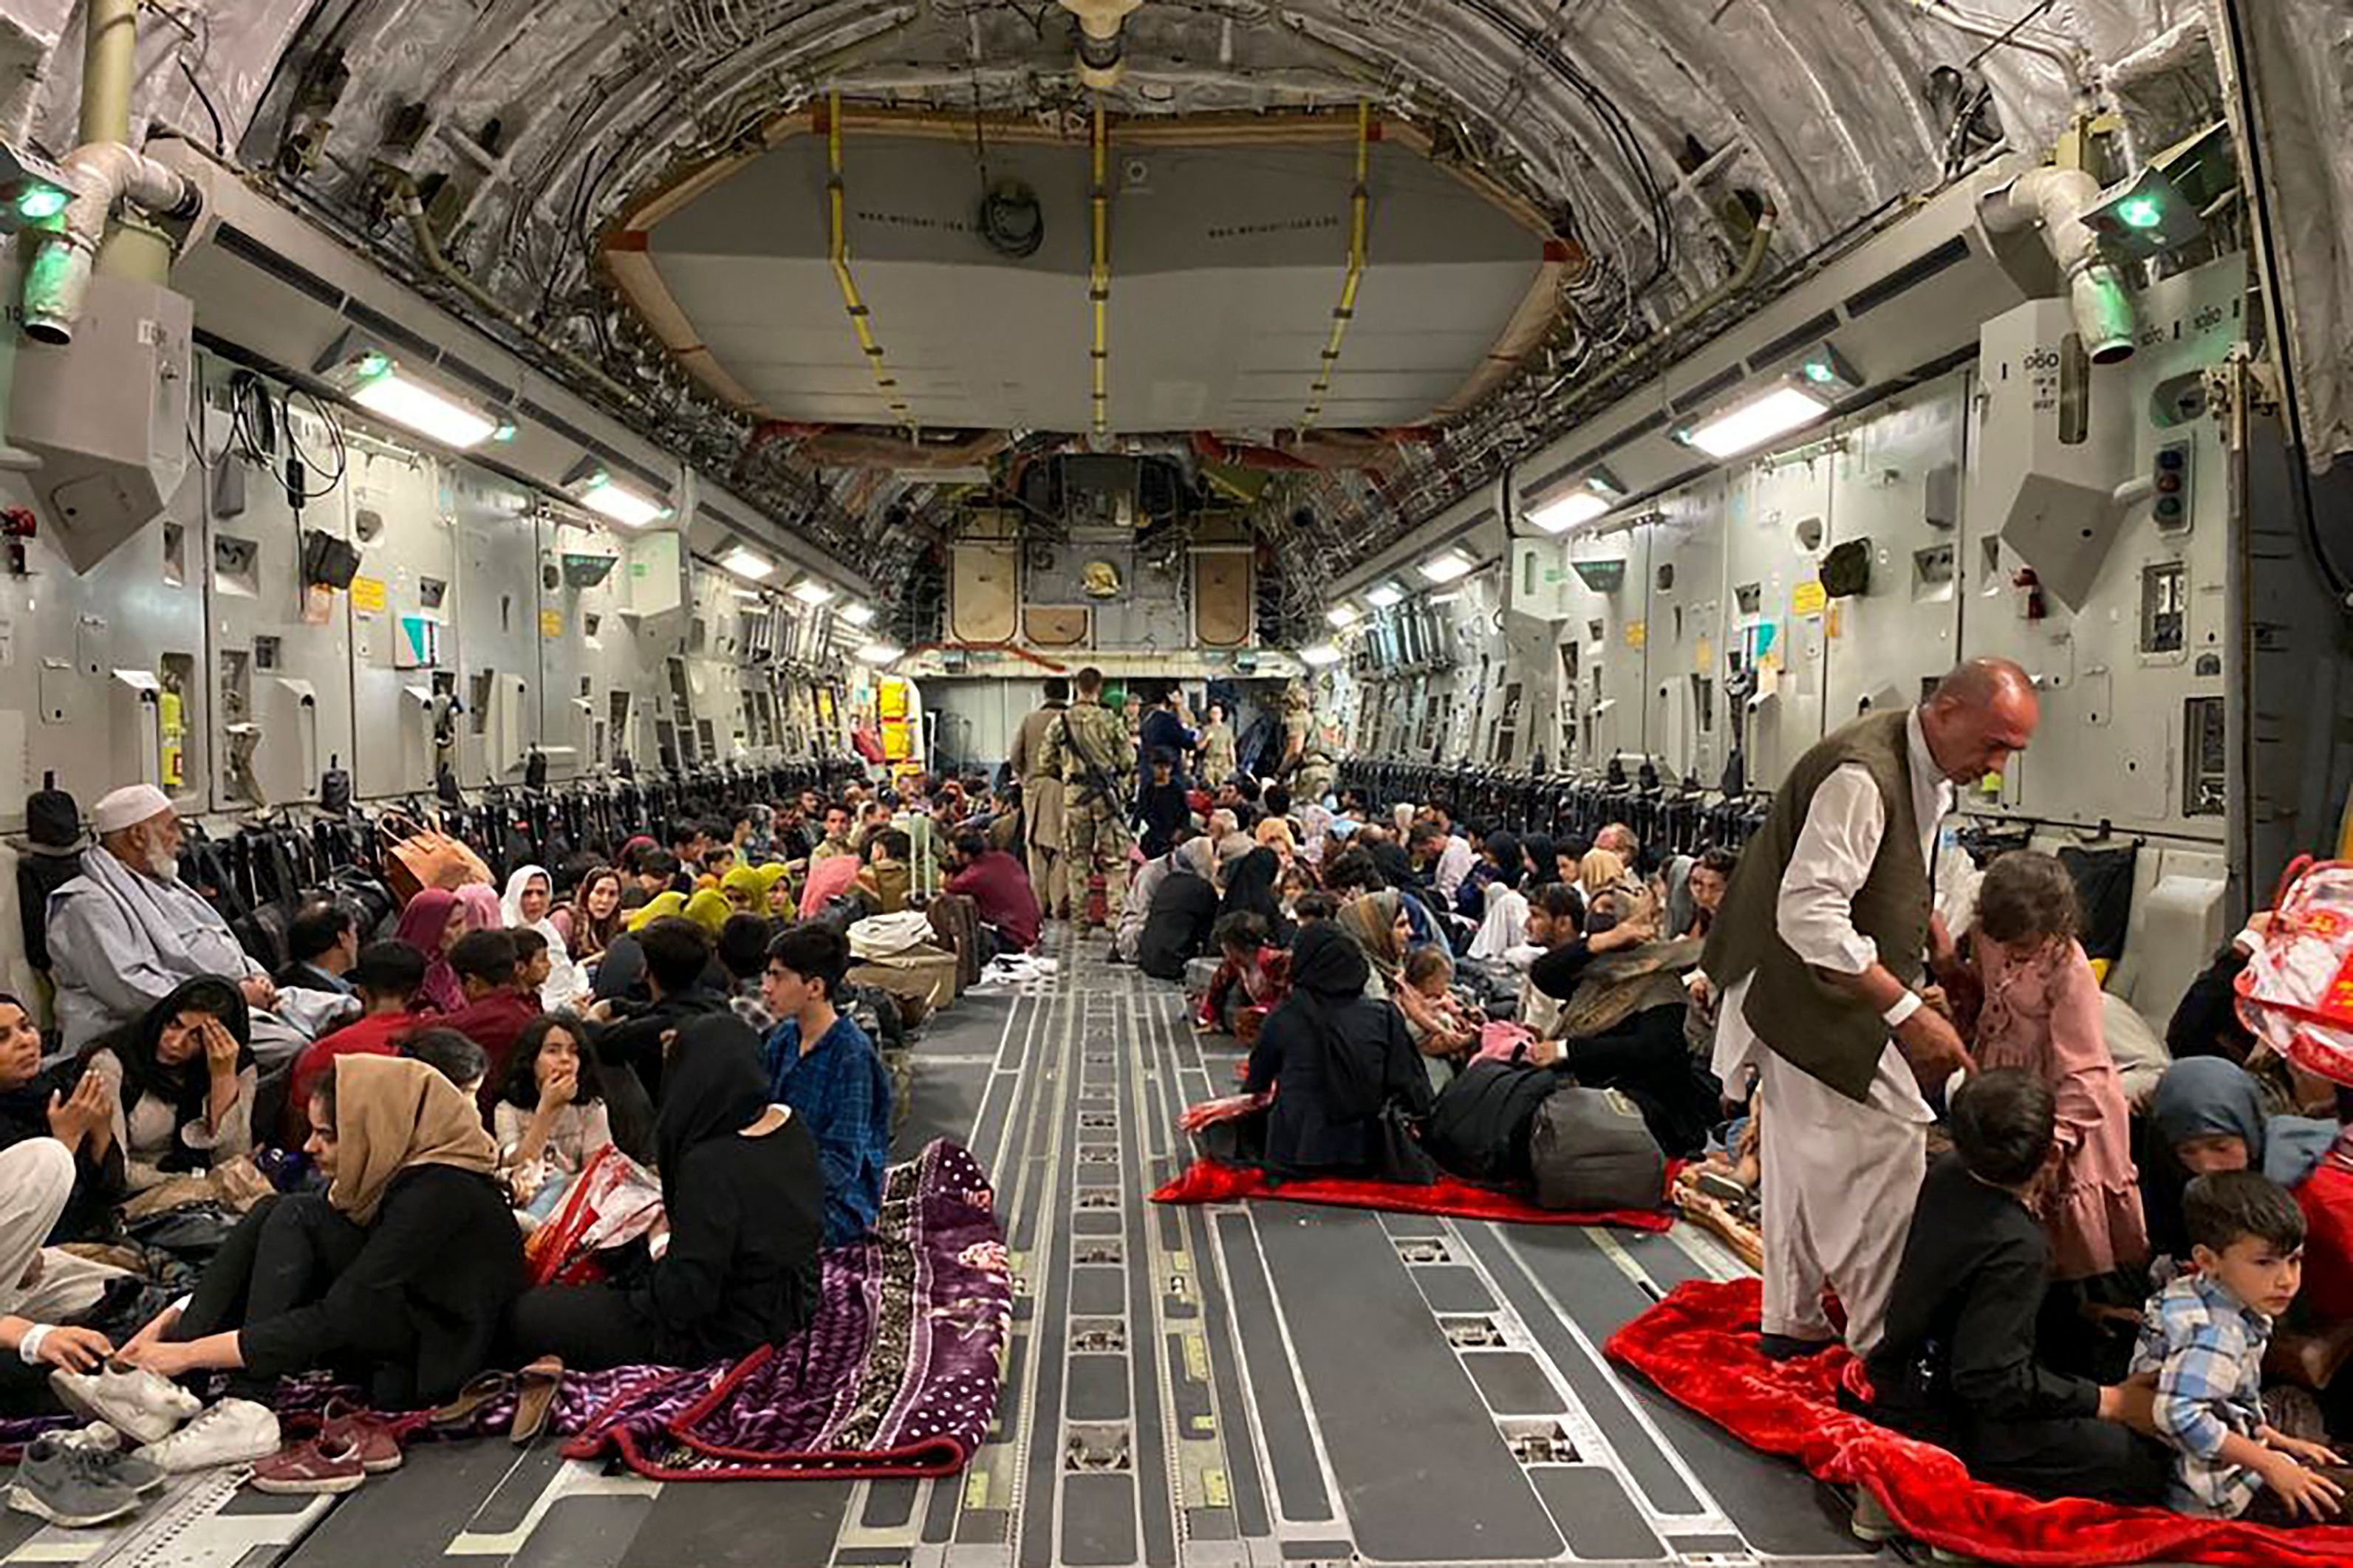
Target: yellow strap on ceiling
[(861, 320), (1345, 310), (1099, 274)]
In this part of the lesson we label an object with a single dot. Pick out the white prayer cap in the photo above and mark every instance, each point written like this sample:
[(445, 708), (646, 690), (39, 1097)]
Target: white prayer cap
[(129, 807)]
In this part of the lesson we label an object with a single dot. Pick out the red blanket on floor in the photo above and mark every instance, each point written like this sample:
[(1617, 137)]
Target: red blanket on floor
[(1210, 1183), (1699, 1346)]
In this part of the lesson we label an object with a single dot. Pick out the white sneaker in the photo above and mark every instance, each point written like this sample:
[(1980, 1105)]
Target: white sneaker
[(234, 1431), (142, 1405)]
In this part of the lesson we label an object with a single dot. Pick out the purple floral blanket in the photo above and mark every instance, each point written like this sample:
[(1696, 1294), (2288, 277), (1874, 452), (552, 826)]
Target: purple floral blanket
[(896, 1375)]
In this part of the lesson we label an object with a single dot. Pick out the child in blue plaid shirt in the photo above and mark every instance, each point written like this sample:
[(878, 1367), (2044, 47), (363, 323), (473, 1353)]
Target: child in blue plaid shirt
[(2203, 1338)]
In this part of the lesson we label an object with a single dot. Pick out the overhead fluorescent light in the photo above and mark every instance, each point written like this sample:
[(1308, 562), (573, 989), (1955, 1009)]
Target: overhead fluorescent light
[(811, 592), (1320, 654), (857, 614), (880, 653), (1446, 566), (1752, 422), (605, 496), (743, 564), (1593, 498), (1576, 507), (1384, 595), (392, 394), (1344, 614)]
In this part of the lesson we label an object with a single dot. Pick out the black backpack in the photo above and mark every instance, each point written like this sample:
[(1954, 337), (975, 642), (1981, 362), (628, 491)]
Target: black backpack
[(53, 823), (1479, 1127), (1591, 1152)]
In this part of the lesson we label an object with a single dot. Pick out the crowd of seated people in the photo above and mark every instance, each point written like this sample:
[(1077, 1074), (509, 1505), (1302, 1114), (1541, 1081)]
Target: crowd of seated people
[(2098, 1293), (2095, 1292), (390, 1117)]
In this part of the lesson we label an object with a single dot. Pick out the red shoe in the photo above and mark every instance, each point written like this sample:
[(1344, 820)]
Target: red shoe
[(314, 1466), (348, 1424)]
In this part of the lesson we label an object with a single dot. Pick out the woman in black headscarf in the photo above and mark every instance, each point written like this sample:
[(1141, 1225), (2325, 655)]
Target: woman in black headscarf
[(49, 1104), (182, 1082), (1347, 1080), (1499, 861), (1396, 866), (1250, 888), (1543, 860), (736, 1257)]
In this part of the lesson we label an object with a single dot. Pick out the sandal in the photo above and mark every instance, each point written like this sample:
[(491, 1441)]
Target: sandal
[(539, 1383), (483, 1389)]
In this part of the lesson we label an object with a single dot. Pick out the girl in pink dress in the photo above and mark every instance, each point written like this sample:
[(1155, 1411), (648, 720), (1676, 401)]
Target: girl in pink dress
[(2041, 1015)]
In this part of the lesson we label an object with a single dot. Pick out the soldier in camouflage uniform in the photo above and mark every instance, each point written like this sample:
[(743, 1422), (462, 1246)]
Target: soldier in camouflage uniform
[(1097, 758), (1307, 765)]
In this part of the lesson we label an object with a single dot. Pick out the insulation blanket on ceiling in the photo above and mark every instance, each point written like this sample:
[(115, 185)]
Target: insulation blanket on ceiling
[(2300, 63), (1699, 1347)]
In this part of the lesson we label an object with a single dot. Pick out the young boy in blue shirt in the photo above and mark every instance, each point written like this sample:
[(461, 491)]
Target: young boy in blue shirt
[(823, 1066), (2203, 1336)]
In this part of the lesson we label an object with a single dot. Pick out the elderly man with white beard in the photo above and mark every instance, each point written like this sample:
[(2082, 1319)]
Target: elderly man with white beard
[(127, 932)]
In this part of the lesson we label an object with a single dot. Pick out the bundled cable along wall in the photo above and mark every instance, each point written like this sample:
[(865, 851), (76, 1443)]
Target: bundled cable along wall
[(1099, 273), (1345, 310), (861, 320)]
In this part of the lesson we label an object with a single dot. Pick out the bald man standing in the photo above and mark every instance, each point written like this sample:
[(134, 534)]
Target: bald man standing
[(1820, 947)]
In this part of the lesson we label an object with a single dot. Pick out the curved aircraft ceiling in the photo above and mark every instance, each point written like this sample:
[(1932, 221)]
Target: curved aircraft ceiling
[(1648, 135)]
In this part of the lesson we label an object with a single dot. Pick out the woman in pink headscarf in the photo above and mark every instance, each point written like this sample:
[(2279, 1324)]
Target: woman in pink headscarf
[(483, 911), (432, 923)]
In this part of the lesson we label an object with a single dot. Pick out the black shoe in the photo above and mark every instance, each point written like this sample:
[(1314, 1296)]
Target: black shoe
[(1789, 1347)]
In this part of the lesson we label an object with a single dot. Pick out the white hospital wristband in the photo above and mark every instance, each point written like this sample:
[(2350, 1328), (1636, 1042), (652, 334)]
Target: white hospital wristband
[(28, 1349), (1903, 1008)]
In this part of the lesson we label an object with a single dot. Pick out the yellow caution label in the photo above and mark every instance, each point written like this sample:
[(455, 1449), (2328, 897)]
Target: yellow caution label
[(368, 595), (1196, 1358), (1204, 1426), (550, 624), (1808, 597), (170, 725), (1704, 656), (1638, 633), (1215, 1493), (975, 1490)]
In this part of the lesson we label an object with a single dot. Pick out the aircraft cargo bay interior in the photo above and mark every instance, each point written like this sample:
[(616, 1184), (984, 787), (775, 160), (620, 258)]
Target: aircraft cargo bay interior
[(1208, 784)]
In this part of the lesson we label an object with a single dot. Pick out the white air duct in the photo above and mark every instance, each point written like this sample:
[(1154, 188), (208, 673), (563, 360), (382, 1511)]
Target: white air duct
[(1103, 55), (2057, 199)]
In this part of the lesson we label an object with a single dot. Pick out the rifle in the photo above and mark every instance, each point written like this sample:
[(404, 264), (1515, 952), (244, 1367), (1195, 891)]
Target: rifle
[(1097, 779)]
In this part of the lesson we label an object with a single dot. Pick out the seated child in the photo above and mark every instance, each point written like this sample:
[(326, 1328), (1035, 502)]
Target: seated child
[(1437, 1023), (2203, 1338), (1956, 1365), (551, 1116), (2041, 1013), (1249, 961)]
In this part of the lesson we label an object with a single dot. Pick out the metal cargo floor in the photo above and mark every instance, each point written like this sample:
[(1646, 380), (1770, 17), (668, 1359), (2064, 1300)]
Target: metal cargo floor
[(1257, 1384)]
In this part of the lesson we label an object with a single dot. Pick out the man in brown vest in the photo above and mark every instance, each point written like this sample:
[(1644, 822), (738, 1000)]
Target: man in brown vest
[(1817, 949), (1040, 768)]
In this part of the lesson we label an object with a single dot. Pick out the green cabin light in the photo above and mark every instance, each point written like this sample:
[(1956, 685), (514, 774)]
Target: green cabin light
[(505, 432), (1819, 372), (38, 202), (374, 364), (2141, 212)]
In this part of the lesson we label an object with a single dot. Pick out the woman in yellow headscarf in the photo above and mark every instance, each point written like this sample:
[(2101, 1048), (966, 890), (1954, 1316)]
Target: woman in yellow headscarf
[(745, 891), (777, 894), (661, 907), (419, 1302), (708, 909)]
